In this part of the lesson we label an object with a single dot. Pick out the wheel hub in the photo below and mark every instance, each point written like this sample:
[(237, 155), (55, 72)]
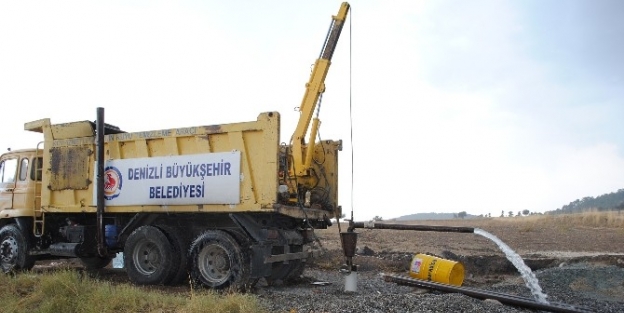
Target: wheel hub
[(8, 249), (214, 264), (147, 258)]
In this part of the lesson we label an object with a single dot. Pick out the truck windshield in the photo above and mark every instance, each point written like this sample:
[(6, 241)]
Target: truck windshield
[(7, 170)]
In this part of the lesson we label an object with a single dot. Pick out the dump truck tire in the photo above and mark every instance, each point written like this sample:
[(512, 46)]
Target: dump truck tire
[(149, 256), (218, 261), (14, 248), (283, 273), (279, 271), (296, 271), (180, 245)]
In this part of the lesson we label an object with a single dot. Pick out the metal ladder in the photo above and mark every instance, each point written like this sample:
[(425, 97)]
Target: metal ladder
[(39, 216)]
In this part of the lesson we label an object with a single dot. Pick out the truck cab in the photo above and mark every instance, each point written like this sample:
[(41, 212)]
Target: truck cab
[(20, 183)]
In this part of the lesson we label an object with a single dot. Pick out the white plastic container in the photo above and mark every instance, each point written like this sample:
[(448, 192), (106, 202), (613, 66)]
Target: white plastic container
[(351, 280), (118, 261)]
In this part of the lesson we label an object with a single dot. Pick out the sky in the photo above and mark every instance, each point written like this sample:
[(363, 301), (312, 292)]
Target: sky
[(443, 106)]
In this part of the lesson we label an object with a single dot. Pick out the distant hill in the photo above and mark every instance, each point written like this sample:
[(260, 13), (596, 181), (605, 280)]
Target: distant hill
[(607, 202), (429, 216)]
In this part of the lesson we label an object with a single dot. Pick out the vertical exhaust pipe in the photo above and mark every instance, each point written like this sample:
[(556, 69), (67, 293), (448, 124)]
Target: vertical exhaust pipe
[(99, 161)]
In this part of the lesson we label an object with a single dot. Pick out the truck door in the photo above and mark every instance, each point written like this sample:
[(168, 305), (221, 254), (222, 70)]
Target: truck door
[(24, 194), (8, 171)]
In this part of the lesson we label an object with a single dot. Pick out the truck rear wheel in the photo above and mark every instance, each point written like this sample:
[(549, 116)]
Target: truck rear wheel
[(217, 261), (180, 244), (283, 273), (279, 271), (149, 256), (14, 248), (296, 271)]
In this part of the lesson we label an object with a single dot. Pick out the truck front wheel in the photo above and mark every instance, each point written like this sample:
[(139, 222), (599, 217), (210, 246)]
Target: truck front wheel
[(14, 250), (217, 261), (149, 256)]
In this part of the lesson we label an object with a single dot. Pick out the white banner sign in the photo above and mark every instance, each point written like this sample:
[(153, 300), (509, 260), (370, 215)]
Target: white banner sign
[(211, 178)]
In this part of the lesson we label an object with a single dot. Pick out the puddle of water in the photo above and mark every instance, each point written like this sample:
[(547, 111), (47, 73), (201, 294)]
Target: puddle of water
[(529, 278)]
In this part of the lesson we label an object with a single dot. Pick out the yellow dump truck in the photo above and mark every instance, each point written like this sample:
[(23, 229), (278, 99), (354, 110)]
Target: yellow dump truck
[(224, 204)]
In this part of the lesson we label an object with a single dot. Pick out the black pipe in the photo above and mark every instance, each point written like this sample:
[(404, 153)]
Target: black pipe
[(99, 193), (486, 294), (446, 229)]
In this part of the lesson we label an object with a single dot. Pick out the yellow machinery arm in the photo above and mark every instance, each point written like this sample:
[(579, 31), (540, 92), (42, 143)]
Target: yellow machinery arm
[(314, 89)]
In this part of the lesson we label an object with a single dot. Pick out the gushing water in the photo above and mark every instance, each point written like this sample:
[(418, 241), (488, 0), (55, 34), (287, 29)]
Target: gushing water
[(529, 278)]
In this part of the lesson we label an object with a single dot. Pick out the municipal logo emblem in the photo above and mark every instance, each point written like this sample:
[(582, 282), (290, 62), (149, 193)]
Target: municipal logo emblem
[(112, 182)]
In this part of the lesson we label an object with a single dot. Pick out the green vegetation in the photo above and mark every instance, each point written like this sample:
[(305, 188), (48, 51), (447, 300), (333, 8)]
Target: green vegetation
[(607, 202), (74, 291)]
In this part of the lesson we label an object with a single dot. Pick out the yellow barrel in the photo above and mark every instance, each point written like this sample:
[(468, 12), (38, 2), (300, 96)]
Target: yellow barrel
[(431, 268)]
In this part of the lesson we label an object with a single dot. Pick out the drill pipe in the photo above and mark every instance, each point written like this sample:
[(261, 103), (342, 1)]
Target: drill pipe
[(446, 229), (486, 294)]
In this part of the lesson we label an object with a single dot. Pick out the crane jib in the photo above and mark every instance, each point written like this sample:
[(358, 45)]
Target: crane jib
[(314, 89), (334, 33)]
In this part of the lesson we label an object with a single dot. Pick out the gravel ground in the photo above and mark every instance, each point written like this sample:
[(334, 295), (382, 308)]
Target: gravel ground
[(598, 288)]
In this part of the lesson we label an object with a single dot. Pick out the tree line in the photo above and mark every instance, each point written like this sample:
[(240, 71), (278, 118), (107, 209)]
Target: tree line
[(607, 202)]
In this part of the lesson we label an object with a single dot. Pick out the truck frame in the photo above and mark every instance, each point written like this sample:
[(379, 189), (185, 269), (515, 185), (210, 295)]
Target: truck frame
[(225, 205)]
